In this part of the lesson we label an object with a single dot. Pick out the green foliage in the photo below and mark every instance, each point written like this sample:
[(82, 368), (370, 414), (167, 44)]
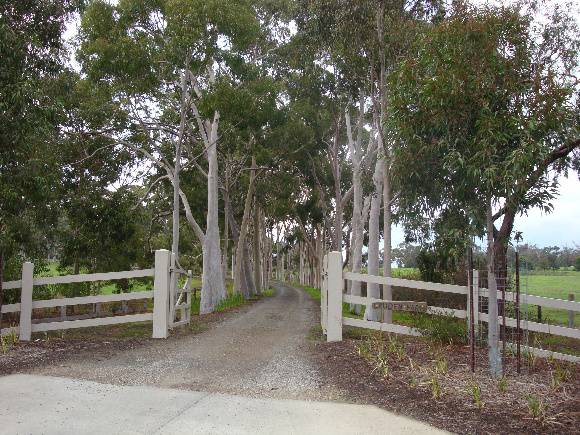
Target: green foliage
[(268, 293), (502, 384), (560, 375), (313, 292), (8, 340), (476, 395), (396, 347), (30, 115), (231, 301), (444, 328), (478, 105), (535, 406), (436, 390), (436, 265), (441, 364)]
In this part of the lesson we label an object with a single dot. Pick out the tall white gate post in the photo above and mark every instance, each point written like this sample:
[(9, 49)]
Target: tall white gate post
[(324, 294), (334, 296), (25, 326), (161, 293)]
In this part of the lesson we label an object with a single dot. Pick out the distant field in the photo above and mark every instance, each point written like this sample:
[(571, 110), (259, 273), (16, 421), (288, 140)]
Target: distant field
[(553, 284), (557, 284)]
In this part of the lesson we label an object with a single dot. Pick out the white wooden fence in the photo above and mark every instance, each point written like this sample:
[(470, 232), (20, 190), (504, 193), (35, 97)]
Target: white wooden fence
[(160, 295), (332, 297)]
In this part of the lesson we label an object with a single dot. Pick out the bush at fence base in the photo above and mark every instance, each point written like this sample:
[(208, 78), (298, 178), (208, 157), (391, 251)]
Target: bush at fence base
[(443, 328)]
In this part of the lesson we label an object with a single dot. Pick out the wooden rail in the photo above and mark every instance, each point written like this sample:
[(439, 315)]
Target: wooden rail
[(159, 294), (332, 298)]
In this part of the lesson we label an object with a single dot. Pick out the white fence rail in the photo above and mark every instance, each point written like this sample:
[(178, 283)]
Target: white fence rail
[(159, 294), (332, 298)]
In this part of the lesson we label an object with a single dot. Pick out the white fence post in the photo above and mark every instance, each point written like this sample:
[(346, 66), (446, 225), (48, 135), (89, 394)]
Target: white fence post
[(334, 296), (161, 293), (324, 294), (26, 301)]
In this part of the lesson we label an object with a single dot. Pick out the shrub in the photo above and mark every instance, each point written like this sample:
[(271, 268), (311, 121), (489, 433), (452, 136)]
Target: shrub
[(445, 328), (535, 406)]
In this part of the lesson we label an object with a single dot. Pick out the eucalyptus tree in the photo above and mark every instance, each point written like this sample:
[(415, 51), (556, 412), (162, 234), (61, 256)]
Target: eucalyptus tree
[(485, 105), (32, 53), (166, 63), (361, 60)]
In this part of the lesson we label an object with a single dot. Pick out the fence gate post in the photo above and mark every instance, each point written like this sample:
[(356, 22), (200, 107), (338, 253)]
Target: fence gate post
[(161, 294), (334, 296), (26, 301), (324, 294)]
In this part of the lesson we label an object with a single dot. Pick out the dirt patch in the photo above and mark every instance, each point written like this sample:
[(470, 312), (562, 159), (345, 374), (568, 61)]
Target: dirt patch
[(258, 350), (403, 375)]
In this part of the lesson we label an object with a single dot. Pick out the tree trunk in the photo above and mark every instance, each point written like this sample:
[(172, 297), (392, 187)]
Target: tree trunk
[(256, 249), (301, 266), (226, 249), (387, 289), (335, 163), (373, 290), (212, 281), (493, 330), (278, 253), (1, 285), (240, 285), (357, 209), (241, 271)]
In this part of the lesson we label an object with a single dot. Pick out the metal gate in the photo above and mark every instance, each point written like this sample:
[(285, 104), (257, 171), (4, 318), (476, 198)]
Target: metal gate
[(179, 296)]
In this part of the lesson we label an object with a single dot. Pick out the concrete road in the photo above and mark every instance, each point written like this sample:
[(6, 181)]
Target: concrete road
[(31, 404)]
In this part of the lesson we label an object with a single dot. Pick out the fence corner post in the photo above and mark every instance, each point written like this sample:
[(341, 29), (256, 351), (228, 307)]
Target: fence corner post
[(27, 285), (334, 283), (161, 293)]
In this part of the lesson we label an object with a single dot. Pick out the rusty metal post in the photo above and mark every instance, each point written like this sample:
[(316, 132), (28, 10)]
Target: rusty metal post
[(517, 307), (471, 311)]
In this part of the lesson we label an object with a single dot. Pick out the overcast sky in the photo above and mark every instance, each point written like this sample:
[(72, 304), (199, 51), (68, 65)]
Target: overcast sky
[(561, 227)]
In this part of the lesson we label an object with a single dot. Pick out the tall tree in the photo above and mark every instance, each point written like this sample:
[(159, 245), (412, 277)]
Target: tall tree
[(486, 105), (31, 49)]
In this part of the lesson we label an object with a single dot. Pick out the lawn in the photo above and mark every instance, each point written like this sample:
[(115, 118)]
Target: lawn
[(556, 284)]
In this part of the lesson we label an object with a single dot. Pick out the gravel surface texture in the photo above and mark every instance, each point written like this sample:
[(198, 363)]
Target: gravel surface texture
[(260, 352)]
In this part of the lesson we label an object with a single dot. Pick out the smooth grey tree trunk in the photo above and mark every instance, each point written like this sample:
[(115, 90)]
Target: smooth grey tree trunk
[(213, 284), (355, 148), (493, 324), (241, 271), (256, 249), (387, 256), (373, 290)]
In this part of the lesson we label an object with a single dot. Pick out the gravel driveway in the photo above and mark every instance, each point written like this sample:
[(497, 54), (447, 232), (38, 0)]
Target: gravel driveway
[(262, 352)]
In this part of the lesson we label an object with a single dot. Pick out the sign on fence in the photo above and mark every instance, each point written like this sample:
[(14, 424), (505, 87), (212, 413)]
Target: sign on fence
[(415, 307)]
